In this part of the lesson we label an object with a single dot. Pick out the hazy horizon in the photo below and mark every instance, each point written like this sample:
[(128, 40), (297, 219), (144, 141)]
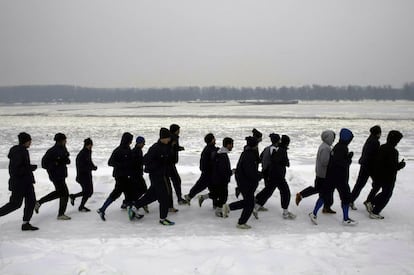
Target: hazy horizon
[(109, 44)]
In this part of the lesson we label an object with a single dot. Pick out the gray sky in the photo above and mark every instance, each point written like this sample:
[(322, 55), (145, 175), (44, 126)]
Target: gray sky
[(134, 43)]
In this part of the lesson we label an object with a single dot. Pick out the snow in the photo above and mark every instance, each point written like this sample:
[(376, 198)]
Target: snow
[(201, 243)]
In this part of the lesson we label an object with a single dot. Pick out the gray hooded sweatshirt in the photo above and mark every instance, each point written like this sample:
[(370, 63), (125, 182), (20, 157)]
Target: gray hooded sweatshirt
[(324, 153)]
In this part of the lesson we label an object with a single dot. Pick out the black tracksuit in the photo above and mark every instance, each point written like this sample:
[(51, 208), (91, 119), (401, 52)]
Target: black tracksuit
[(277, 173), (337, 174), (173, 173), (20, 183), (221, 177), (55, 161), (247, 178), (139, 186), (368, 156), (84, 168), (385, 175), (206, 167), (121, 161), (157, 161)]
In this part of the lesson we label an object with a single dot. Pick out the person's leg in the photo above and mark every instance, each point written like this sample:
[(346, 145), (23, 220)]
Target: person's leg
[(382, 199), (361, 181), (29, 203), (15, 202)]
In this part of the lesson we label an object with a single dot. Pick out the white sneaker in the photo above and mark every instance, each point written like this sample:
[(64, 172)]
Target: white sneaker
[(349, 222), (313, 218), (219, 212), (375, 216), (36, 208), (368, 206), (187, 198), (352, 206), (289, 216), (63, 217), (225, 210), (243, 226)]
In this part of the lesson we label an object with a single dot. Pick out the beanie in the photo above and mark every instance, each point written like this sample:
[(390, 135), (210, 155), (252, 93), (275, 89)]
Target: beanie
[(140, 139), (174, 128), (375, 130), (394, 137), (87, 142), (285, 140), (208, 138), (24, 137), (59, 137), (257, 134), (274, 138), (251, 141), (346, 135), (164, 133)]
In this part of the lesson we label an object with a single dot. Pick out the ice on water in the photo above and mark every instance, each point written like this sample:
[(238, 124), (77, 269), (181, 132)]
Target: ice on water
[(200, 243)]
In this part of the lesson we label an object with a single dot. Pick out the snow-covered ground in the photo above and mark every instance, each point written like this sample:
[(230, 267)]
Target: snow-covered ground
[(201, 243)]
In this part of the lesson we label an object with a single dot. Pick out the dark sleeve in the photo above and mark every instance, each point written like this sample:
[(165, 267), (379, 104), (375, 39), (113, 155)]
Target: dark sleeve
[(249, 167)]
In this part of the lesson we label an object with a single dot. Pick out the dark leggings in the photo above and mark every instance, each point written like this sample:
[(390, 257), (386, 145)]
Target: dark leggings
[(61, 192), (16, 201)]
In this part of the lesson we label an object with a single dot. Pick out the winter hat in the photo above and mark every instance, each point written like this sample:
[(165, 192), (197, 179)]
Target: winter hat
[(140, 140), (346, 135), (174, 128), (208, 138), (59, 137), (257, 134), (285, 140), (274, 138), (394, 137), (126, 138), (251, 141), (24, 137), (375, 130), (227, 141), (164, 133), (87, 142)]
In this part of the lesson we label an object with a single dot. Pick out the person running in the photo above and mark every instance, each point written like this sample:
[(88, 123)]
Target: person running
[(121, 161), (322, 160), (157, 163), (174, 176), (222, 173), (337, 176), (55, 162), (84, 168), (206, 167), (21, 182), (267, 191), (277, 175), (139, 186), (258, 135), (368, 156), (385, 174), (247, 178)]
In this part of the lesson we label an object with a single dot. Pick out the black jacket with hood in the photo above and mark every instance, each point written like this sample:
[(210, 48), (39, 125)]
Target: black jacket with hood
[(121, 158)]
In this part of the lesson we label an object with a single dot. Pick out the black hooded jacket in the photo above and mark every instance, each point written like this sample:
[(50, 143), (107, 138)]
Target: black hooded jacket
[(158, 159), (341, 159), (369, 152), (84, 166), (247, 174), (20, 169), (121, 158), (386, 163), (55, 161)]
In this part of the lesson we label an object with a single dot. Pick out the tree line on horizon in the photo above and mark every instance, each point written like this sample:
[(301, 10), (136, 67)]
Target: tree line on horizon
[(76, 94)]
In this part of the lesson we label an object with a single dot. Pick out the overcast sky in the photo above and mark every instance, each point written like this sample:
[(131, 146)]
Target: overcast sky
[(134, 43)]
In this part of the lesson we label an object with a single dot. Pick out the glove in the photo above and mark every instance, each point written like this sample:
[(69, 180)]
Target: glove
[(401, 164), (350, 154), (33, 167), (95, 168)]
